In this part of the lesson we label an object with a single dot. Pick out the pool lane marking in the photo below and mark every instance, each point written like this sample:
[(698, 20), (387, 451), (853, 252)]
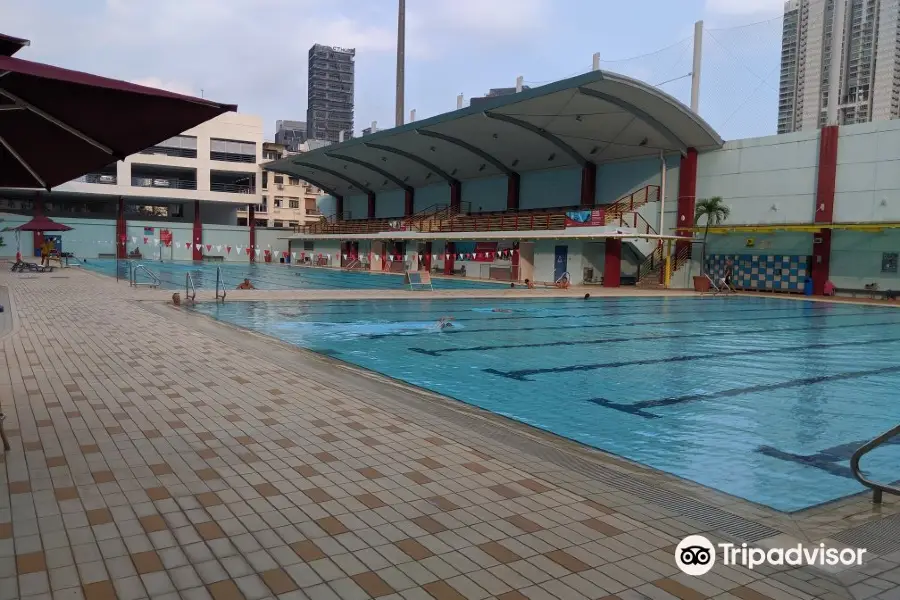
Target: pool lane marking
[(640, 408), (825, 459), (668, 336), (523, 374)]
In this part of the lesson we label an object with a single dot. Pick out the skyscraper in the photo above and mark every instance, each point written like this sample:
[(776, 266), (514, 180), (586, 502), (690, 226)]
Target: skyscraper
[(869, 85), (330, 102)]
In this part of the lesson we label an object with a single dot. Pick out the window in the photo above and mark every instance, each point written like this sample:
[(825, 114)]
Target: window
[(184, 146), (293, 223), (271, 155), (232, 151), (279, 202), (309, 246), (278, 224), (295, 202), (265, 183), (278, 179), (294, 181), (889, 262)]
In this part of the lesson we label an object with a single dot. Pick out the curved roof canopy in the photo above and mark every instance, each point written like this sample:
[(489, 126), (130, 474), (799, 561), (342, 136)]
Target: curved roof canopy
[(597, 117)]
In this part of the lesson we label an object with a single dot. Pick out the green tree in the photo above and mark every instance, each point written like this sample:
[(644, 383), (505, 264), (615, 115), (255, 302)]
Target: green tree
[(715, 212)]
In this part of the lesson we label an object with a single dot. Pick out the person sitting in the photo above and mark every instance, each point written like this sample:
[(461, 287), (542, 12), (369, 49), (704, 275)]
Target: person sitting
[(563, 282), (829, 289), (136, 253), (245, 285), (529, 284)]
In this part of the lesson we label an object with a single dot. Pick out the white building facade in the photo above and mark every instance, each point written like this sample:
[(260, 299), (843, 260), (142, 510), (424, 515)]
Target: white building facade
[(869, 86)]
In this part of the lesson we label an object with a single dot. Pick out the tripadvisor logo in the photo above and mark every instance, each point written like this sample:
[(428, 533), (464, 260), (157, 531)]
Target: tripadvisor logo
[(696, 555)]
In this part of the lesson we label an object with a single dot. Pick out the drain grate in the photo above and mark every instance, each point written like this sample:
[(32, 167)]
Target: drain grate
[(879, 537), (724, 522)]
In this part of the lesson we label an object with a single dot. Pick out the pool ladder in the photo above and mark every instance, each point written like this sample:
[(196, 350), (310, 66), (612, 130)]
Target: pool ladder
[(190, 290), (154, 280), (878, 489), (220, 283)]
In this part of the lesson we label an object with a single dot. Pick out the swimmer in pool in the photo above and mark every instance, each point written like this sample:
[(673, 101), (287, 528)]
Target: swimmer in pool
[(445, 323), (503, 310)]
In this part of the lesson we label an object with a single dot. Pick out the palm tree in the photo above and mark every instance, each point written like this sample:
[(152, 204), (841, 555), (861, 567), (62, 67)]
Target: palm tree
[(715, 212)]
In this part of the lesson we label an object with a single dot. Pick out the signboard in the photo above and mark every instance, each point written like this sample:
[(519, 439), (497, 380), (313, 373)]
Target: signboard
[(165, 236), (585, 218)]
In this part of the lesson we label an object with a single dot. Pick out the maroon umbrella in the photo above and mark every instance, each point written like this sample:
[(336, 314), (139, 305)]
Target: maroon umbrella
[(56, 124), (41, 223)]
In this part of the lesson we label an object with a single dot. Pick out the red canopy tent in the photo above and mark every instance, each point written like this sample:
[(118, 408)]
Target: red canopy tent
[(57, 124)]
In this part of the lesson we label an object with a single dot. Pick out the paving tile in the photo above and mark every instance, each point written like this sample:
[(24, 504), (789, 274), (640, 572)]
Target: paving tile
[(441, 590), (147, 562), (100, 590), (414, 549), (278, 581), (307, 550), (373, 584), (225, 590), (33, 562)]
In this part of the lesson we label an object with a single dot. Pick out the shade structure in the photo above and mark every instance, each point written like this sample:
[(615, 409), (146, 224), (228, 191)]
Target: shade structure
[(9, 45), (41, 223), (57, 125)]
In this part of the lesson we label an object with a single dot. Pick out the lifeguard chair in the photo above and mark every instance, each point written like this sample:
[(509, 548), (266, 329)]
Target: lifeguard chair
[(419, 280)]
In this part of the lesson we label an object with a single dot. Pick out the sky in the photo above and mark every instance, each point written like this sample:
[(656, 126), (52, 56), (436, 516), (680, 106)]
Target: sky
[(254, 52)]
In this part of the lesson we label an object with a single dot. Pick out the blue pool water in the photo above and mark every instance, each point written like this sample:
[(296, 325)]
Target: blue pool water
[(272, 276), (764, 399)]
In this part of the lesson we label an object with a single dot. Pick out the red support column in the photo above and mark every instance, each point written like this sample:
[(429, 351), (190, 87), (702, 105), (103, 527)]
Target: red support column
[(371, 206), (588, 184), (252, 223), (408, 203), (825, 184), (514, 262), (455, 196), (426, 260), (450, 255), (612, 263), (512, 191), (121, 230), (687, 196), (198, 233)]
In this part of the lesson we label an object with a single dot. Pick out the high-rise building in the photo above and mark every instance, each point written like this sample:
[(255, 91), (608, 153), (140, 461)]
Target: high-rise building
[(869, 86), (290, 134), (330, 102), (494, 93)]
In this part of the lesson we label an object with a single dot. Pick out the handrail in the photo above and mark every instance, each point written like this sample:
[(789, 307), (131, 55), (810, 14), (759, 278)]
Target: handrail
[(352, 264), (220, 279), (188, 286), (877, 488), (565, 276), (155, 281)]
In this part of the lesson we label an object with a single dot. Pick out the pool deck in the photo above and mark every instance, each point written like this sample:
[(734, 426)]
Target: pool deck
[(159, 454)]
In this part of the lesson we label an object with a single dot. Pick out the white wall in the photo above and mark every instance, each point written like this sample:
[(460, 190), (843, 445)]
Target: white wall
[(545, 189), (486, 195), (856, 259), (755, 174), (868, 173)]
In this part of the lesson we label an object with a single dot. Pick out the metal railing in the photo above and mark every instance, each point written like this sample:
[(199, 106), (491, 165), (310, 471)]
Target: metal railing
[(102, 178), (165, 183), (189, 287), (877, 488), (231, 188), (154, 280), (220, 283)]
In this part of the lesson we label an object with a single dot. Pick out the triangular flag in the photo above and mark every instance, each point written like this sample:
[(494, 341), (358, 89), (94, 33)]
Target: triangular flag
[(145, 241), (133, 240), (257, 251), (208, 247), (197, 246), (228, 249), (187, 244), (285, 254), (218, 248), (294, 254), (249, 250)]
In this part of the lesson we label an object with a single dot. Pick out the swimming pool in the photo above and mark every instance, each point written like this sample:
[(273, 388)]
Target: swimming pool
[(273, 276), (762, 398)]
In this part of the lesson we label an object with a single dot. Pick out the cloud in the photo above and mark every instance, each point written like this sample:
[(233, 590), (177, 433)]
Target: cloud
[(745, 7), (171, 86)]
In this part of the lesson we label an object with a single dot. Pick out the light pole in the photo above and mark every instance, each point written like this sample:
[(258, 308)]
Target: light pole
[(401, 60)]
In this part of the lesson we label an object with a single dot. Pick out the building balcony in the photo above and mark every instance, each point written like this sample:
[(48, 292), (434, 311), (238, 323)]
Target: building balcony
[(231, 188), (101, 178), (166, 183), (174, 152)]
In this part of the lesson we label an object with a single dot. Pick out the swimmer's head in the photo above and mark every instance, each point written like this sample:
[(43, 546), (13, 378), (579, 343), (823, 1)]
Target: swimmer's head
[(587, 296)]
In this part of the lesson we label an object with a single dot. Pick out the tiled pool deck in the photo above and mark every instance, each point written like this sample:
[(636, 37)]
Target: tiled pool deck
[(158, 454)]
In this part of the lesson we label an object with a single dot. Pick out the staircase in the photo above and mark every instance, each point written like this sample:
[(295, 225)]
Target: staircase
[(652, 272)]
